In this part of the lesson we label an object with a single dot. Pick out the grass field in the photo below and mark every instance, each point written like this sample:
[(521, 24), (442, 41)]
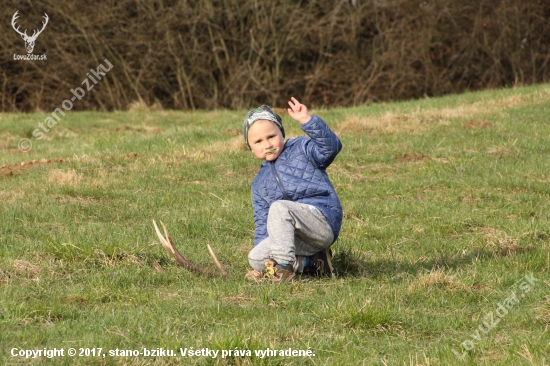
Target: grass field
[(444, 253)]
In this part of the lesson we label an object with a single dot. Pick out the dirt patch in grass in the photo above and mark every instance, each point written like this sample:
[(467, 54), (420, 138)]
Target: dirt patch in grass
[(25, 268), (411, 157), (11, 170), (149, 130), (514, 249), (76, 300), (476, 124)]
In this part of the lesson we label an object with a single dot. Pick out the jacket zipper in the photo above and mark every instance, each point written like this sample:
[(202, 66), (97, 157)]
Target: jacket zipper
[(274, 171)]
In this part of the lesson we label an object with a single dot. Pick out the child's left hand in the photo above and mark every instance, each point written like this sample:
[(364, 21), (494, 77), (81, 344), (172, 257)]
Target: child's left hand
[(298, 111)]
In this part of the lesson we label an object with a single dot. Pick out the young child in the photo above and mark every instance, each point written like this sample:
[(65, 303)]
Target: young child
[(297, 212)]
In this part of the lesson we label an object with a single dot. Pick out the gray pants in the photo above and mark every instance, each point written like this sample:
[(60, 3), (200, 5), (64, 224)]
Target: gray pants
[(295, 230)]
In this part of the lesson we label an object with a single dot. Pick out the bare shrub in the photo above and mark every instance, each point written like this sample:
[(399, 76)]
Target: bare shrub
[(212, 54)]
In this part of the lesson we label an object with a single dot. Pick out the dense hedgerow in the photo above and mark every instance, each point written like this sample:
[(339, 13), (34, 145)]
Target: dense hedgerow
[(238, 53)]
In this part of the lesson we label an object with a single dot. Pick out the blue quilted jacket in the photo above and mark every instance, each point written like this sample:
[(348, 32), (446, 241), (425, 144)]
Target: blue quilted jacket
[(299, 175)]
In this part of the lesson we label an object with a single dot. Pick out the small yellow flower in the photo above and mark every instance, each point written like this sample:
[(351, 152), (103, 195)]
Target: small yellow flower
[(269, 268)]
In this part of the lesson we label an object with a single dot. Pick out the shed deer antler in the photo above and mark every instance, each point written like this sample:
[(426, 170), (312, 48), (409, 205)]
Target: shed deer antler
[(180, 259)]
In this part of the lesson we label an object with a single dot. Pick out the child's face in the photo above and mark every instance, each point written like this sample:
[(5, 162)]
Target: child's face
[(265, 140)]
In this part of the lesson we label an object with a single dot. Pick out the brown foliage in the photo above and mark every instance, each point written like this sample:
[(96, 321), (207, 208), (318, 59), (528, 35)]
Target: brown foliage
[(240, 53)]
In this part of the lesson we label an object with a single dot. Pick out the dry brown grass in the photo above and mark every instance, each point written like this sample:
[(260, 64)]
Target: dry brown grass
[(79, 200), (436, 279), (202, 153), (68, 177), (498, 150), (390, 123), (496, 239), (234, 145), (543, 312), (61, 132), (420, 121), (142, 106), (7, 140), (25, 268), (500, 243), (238, 300), (119, 256), (11, 196), (99, 176)]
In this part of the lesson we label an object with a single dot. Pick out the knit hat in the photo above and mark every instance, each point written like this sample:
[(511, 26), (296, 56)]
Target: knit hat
[(264, 113)]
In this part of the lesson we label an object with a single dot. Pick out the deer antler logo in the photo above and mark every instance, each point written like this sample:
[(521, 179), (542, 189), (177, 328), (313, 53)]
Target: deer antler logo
[(29, 41)]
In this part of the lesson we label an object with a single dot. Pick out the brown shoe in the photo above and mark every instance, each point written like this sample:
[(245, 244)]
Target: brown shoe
[(278, 273)]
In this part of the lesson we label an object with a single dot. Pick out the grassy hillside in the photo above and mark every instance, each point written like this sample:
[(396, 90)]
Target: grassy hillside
[(446, 212)]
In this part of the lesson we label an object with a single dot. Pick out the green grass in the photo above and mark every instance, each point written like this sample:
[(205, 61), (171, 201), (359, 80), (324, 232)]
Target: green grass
[(446, 204)]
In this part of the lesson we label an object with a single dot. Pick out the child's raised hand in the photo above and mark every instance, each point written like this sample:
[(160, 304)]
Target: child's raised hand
[(298, 111)]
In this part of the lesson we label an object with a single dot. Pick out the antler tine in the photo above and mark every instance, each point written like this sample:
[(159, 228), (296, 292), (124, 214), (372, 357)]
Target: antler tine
[(180, 259), (36, 31), (162, 239), (13, 19), (218, 264), (169, 246), (46, 22)]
